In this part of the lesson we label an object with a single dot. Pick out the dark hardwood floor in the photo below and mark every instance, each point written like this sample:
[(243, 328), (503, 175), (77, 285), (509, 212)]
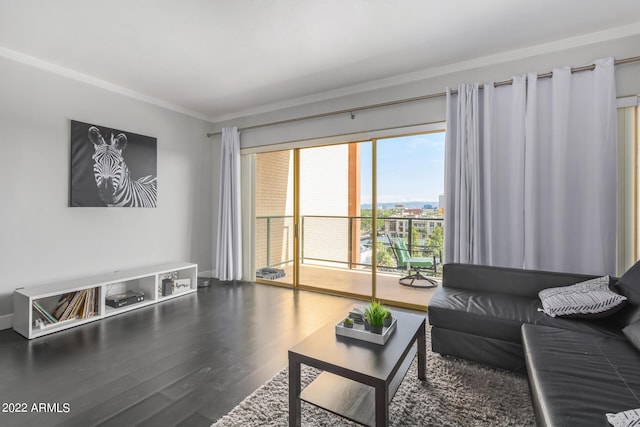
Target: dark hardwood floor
[(184, 362)]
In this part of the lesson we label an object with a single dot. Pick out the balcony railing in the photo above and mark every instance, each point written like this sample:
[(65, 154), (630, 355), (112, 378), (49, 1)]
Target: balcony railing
[(343, 241)]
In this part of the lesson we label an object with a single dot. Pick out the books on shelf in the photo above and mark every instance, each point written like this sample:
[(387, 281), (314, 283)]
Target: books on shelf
[(43, 314), (73, 305), (62, 304)]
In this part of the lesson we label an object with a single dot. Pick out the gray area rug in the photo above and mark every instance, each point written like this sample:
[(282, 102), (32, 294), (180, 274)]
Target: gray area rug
[(455, 393)]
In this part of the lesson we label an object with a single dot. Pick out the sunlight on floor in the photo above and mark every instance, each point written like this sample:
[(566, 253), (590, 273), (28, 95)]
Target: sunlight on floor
[(358, 282)]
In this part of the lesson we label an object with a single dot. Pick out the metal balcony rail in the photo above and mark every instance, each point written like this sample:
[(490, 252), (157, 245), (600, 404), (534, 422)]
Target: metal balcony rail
[(342, 240)]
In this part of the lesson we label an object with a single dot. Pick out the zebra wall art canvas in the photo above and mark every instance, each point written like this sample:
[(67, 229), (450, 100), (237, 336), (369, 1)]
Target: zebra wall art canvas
[(113, 168)]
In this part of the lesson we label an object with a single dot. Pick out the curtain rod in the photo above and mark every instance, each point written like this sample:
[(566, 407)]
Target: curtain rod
[(414, 99)]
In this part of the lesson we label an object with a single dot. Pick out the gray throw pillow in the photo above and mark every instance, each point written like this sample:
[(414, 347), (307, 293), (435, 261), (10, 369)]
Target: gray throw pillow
[(629, 286), (590, 299), (628, 418)]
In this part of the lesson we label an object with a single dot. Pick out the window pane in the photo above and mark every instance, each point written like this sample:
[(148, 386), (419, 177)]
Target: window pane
[(410, 188), (274, 216), (333, 243)]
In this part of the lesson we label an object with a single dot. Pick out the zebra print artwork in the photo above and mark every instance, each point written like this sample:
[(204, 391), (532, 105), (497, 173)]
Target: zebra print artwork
[(112, 168)]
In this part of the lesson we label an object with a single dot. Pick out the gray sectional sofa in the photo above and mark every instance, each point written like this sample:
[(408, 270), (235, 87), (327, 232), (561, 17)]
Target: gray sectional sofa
[(579, 369)]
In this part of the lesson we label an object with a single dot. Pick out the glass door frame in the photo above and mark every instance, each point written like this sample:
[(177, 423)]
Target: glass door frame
[(298, 225), (433, 128)]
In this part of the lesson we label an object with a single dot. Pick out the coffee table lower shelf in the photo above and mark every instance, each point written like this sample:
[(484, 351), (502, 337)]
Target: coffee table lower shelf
[(348, 398)]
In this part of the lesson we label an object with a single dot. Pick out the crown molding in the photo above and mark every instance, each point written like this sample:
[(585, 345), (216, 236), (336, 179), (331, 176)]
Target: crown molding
[(93, 81)]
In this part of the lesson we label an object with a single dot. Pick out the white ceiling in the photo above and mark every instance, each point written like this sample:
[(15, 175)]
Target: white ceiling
[(219, 59)]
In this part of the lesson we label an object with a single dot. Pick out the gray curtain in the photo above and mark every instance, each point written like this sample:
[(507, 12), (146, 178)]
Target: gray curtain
[(530, 175), (571, 171), (484, 159), (229, 241)]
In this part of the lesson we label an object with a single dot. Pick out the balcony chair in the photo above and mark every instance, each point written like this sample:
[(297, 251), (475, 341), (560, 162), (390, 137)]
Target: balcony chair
[(415, 266)]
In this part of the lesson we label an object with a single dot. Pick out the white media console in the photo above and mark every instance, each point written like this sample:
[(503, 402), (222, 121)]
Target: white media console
[(147, 280)]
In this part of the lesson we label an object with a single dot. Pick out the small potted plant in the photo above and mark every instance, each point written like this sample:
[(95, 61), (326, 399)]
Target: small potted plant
[(347, 322), (375, 314)]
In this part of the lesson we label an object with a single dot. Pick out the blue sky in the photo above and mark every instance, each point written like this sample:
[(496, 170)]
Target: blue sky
[(410, 168)]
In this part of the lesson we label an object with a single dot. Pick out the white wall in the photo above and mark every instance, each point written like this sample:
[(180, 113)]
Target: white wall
[(540, 59), (41, 238)]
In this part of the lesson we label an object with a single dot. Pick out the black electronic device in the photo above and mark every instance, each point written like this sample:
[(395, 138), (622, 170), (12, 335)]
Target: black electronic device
[(125, 298)]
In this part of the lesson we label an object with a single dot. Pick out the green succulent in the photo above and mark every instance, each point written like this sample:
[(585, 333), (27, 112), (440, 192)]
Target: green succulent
[(375, 313)]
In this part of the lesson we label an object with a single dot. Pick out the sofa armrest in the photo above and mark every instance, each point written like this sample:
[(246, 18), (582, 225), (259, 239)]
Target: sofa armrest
[(511, 281)]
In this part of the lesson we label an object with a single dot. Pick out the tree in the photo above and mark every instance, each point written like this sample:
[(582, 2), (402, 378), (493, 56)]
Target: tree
[(435, 240), (415, 240), (365, 221), (384, 258)]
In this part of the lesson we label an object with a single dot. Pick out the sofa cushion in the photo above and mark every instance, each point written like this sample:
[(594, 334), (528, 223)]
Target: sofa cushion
[(603, 327), (632, 332), (629, 286), (590, 299), (577, 378), (486, 314)]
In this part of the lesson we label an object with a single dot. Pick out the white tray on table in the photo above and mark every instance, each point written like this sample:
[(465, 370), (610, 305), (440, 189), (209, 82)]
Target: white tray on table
[(358, 332)]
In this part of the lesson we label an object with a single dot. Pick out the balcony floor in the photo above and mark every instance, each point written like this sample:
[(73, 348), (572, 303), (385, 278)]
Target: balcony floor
[(358, 282)]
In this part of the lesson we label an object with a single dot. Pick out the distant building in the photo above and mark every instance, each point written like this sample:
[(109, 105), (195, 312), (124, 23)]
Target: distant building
[(401, 227), (432, 212), (412, 212)]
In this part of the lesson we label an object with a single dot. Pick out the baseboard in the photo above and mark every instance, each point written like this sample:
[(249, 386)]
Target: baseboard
[(6, 321), (209, 273)]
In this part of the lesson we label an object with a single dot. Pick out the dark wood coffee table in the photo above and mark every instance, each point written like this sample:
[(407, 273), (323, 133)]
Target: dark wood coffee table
[(360, 378)]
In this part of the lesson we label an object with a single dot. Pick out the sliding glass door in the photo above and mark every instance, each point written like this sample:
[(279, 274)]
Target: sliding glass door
[(335, 242), (326, 216)]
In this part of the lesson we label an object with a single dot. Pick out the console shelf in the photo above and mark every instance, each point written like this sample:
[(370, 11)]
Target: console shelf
[(148, 280)]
